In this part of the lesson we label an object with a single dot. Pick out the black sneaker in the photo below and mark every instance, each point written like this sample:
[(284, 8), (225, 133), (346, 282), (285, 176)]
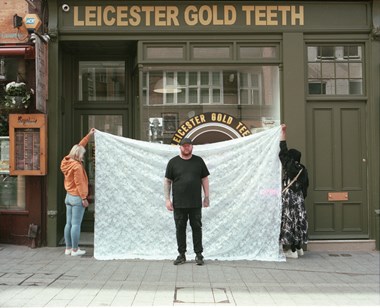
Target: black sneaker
[(199, 259), (180, 259)]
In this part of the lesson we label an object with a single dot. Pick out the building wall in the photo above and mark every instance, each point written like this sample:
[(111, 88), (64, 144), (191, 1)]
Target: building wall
[(16, 220), (9, 34)]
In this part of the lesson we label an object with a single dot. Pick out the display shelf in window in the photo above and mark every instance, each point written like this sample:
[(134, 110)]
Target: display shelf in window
[(28, 144)]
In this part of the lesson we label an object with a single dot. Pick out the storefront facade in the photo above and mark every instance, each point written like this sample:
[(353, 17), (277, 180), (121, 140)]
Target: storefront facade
[(159, 71), (22, 91)]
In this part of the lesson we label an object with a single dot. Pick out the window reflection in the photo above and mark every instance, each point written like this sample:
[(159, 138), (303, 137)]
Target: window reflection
[(12, 188), (101, 81), (12, 192), (335, 70), (112, 124), (253, 86), (250, 52), (250, 94)]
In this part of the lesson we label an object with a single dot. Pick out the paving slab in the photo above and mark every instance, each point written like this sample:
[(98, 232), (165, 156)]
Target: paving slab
[(45, 277)]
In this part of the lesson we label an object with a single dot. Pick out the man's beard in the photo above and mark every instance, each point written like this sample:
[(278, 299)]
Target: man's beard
[(186, 152)]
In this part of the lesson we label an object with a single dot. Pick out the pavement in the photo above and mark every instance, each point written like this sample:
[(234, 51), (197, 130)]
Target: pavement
[(45, 277)]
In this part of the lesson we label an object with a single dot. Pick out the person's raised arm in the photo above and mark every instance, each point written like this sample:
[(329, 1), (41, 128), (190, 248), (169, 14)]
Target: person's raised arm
[(284, 156), (86, 138), (167, 188), (283, 132), (205, 185)]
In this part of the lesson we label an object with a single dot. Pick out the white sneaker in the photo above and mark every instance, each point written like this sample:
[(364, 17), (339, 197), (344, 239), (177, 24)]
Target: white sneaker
[(78, 253), (291, 254), (300, 252), (68, 251)]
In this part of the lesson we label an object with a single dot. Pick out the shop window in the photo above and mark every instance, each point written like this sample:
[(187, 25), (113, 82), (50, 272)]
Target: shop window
[(317, 88), (250, 52), (326, 52), (352, 52), (250, 88), (12, 188), (112, 124), (335, 70), (212, 52), (101, 81), (203, 87), (176, 93), (12, 192), (190, 51), (355, 87), (165, 52)]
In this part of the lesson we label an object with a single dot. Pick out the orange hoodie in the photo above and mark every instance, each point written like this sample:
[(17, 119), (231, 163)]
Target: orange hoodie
[(76, 181)]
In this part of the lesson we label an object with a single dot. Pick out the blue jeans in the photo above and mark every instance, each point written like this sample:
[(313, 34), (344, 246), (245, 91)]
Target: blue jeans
[(74, 217)]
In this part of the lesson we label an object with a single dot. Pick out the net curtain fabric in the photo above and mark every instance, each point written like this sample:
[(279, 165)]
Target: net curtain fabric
[(242, 222)]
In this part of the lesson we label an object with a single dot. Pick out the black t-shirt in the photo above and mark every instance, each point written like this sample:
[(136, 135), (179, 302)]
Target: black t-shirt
[(186, 176)]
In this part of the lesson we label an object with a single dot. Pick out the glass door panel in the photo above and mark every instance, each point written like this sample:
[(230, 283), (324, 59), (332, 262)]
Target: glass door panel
[(101, 81), (115, 124)]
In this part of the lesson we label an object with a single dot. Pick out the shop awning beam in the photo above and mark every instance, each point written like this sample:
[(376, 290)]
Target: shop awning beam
[(17, 50)]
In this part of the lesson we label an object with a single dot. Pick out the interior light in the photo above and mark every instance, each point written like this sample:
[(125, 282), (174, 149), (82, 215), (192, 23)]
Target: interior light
[(167, 85)]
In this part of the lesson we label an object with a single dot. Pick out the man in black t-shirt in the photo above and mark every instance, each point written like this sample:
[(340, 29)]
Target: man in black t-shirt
[(187, 174)]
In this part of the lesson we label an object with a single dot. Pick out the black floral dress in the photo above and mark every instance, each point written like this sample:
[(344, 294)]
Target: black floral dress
[(294, 225)]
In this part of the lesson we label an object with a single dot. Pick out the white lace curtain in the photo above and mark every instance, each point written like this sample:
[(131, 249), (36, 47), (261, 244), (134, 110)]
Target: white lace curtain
[(242, 222)]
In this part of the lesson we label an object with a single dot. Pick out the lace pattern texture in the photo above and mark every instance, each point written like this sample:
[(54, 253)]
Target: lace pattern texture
[(242, 222)]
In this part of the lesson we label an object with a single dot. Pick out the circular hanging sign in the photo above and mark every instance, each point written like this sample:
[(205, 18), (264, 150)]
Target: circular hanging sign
[(210, 127)]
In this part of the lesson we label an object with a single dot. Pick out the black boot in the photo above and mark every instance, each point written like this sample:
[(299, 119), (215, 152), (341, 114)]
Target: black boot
[(180, 259), (199, 259)]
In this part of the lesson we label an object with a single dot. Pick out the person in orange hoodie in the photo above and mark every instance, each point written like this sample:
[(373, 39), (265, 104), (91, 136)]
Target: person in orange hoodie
[(76, 186)]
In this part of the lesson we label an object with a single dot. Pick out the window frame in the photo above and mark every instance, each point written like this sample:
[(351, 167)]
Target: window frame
[(335, 60)]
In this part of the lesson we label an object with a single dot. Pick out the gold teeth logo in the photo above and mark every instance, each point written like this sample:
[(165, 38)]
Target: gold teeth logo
[(210, 127)]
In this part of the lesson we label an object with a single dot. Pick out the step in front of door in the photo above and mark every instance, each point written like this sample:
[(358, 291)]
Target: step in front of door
[(341, 245)]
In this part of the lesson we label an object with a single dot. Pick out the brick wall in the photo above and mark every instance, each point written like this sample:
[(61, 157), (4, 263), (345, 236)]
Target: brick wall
[(8, 8)]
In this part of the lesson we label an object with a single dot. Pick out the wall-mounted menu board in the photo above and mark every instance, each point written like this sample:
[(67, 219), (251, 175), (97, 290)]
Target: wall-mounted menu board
[(28, 144)]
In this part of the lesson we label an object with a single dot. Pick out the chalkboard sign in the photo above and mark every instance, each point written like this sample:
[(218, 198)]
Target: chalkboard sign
[(28, 140)]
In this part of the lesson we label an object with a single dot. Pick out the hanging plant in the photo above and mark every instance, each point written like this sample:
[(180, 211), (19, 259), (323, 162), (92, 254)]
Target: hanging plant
[(17, 96)]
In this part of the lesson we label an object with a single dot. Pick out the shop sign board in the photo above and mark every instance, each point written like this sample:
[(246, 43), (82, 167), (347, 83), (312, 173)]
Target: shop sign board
[(208, 125), (183, 14), (42, 79), (28, 144), (215, 16)]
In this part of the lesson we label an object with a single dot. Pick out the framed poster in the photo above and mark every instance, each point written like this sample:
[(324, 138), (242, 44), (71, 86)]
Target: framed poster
[(28, 144), (155, 130), (170, 122)]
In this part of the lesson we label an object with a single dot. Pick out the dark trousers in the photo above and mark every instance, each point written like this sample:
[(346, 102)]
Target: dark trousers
[(195, 216)]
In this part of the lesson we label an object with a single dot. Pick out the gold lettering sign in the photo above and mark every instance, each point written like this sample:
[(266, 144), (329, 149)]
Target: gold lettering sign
[(190, 15), (219, 120)]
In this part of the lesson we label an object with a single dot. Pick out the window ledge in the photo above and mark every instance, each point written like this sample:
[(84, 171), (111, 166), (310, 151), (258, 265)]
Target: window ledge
[(14, 212)]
